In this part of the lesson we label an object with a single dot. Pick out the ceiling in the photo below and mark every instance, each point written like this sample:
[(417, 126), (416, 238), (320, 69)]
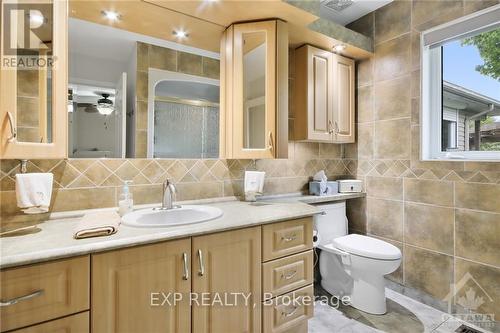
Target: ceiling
[(357, 9)]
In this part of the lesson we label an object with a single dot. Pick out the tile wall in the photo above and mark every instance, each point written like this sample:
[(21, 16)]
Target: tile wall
[(444, 216)]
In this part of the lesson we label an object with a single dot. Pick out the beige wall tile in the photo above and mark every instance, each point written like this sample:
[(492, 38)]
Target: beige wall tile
[(392, 58), (392, 139), (363, 25), (191, 191), (142, 56), (425, 11), (471, 6), (141, 87), (27, 112), (392, 20), (364, 72), (392, 99), (189, 63), (141, 120), (365, 141), (478, 196), (427, 271), (477, 236), (211, 68), (487, 277), (27, 83), (385, 218), (306, 150), (88, 198), (145, 194), (329, 150), (415, 114), (429, 191), (356, 214), (365, 104), (397, 275), (384, 187), (415, 49), (429, 227), (162, 58)]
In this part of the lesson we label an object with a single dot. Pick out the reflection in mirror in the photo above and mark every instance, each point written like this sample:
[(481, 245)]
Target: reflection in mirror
[(186, 116), (96, 122), (254, 90), (177, 119), (34, 84)]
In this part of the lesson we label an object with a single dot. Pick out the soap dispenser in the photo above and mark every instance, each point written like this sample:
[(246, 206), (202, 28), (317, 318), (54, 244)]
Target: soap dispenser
[(125, 203)]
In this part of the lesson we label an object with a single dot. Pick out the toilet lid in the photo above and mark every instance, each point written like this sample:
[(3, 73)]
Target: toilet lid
[(367, 247)]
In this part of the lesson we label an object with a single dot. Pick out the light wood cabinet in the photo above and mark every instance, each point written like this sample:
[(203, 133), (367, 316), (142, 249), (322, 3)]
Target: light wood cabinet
[(323, 96), (254, 90), (78, 323), (33, 87), (125, 284), (225, 263), (286, 238), (41, 292)]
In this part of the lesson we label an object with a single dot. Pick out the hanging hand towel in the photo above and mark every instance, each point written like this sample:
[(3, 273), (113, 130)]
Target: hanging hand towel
[(33, 192), (97, 224)]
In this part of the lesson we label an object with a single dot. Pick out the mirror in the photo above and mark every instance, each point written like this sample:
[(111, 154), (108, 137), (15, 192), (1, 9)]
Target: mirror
[(137, 90), (34, 83), (254, 90)]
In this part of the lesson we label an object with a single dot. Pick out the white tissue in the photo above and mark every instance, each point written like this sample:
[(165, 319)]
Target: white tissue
[(320, 176), (33, 192)]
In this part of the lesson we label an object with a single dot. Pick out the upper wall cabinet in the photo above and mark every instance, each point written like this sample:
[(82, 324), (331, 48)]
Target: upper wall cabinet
[(323, 96), (254, 90), (33, 88)]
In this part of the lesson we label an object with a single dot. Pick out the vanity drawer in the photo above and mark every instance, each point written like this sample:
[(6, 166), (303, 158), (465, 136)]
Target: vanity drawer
[(78, 323), (285, 316), (286, 274), (42, 292), (285, 238)]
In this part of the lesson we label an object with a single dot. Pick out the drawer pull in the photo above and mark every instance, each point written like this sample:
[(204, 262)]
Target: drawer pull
[(201, 272), (290, 313), (290, 238), (186, 271), (289, 275), (22, 298)]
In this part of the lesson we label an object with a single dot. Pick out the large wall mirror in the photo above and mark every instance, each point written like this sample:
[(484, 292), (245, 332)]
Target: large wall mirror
[(140, 87)]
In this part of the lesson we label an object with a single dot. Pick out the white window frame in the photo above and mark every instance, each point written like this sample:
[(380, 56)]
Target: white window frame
[(431, 85)]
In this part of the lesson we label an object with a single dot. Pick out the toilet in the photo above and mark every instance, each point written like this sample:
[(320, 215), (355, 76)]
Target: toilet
[(353, 265)]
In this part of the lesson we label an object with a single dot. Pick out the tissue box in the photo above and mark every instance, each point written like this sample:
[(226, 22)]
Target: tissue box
[(350, 186), (331, 188)]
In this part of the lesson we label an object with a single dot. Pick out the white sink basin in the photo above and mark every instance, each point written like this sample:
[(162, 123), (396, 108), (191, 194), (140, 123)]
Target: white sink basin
[(156, 218)]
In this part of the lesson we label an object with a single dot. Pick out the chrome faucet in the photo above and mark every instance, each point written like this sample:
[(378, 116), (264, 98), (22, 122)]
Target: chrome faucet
[(169, 194)]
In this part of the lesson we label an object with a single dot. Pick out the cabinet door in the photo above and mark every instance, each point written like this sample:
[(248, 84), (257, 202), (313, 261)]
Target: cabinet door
[(127, 287), (33, 79), (343, 108), (78, 323), (313, 99), (225, 263)]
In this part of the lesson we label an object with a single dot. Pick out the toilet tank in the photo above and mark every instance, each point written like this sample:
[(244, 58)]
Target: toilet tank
[(332, 222)]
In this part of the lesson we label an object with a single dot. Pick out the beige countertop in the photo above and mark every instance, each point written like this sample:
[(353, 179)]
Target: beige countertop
[(54, 238)]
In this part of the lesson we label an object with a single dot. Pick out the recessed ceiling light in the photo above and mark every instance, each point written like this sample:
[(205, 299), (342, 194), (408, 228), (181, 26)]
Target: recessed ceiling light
[(111, 15), (339, 47), (180, 34)]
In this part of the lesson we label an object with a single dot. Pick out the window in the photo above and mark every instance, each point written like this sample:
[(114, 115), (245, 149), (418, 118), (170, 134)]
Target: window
[(461, 89)]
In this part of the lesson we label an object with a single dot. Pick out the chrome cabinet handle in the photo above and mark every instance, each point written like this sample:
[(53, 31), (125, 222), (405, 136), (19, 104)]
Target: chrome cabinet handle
[(186, 271), (13, 131), (330, 127), (270, 143), (290, 238), (289, 275), (290, 313), (21, 298), (201, 272)]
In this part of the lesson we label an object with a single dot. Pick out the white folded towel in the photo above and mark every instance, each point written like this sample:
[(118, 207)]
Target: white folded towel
[(97, 224), (33, 192)]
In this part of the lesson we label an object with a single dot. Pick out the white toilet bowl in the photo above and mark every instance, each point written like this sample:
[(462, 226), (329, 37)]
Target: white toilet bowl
[(355, 265)]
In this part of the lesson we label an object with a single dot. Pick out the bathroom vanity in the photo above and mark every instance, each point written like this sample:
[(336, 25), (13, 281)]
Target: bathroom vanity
[(115, 284)]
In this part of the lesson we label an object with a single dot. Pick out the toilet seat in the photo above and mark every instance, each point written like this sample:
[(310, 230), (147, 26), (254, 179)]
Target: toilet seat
[(368, 247)]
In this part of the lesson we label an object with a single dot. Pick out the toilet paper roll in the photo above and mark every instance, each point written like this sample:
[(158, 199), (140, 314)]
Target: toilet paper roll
[(316, 238)]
